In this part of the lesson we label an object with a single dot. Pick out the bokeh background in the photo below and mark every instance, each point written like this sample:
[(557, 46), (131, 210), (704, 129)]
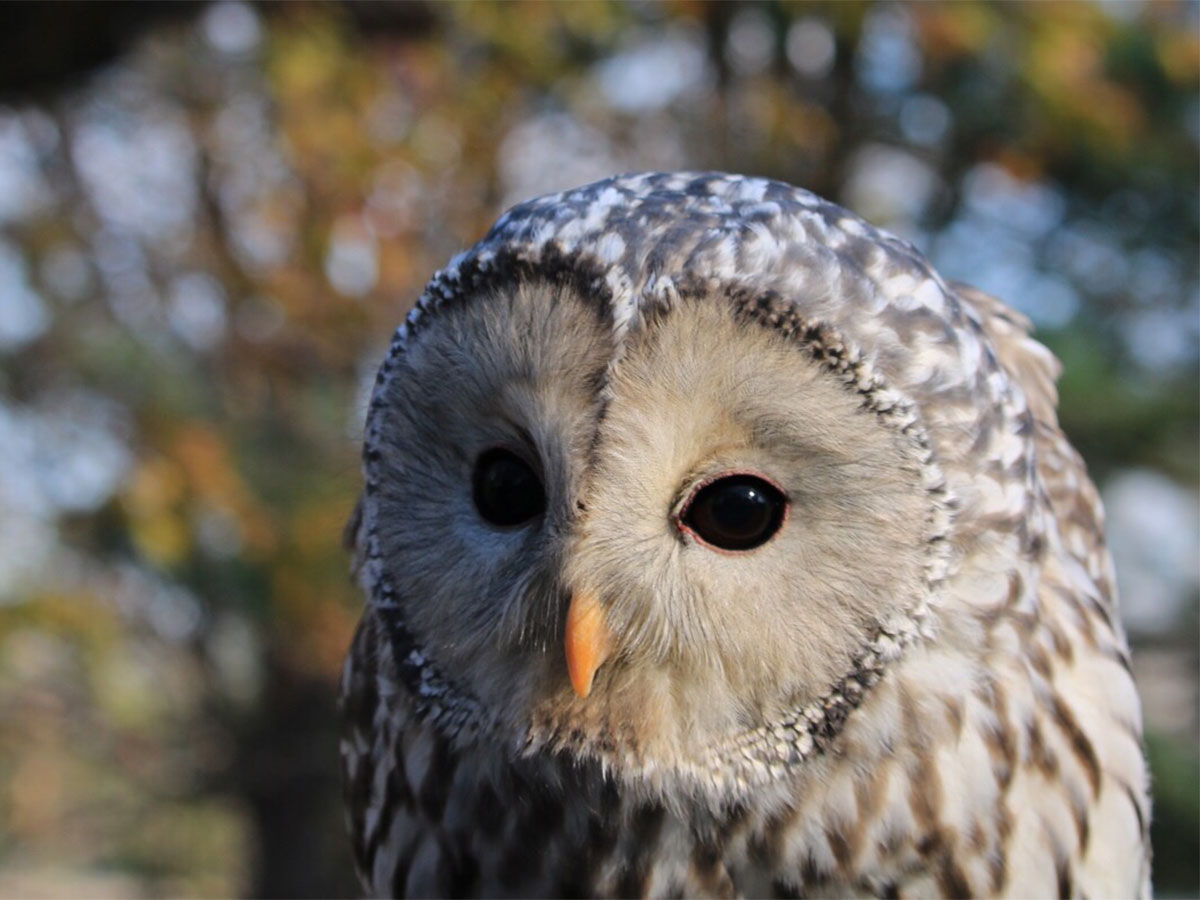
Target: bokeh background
[(212, 217)]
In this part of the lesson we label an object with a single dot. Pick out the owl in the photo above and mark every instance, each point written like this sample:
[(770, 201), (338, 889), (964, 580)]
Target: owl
[(715, 545)]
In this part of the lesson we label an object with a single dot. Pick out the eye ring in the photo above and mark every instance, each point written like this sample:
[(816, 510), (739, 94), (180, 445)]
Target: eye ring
[(734, 512), (506, 489)]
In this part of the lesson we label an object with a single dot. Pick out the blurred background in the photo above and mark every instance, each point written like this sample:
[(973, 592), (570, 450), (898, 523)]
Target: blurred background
[(213, 216)]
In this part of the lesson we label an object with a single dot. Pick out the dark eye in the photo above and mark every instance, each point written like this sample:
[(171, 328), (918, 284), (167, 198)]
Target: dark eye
[(506, 490), (739, 512)]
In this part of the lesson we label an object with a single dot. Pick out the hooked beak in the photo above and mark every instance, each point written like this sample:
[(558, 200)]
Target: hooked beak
[(588, 641)]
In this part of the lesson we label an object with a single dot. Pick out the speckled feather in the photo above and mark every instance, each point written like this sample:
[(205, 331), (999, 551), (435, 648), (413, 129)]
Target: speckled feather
[(983, 739)]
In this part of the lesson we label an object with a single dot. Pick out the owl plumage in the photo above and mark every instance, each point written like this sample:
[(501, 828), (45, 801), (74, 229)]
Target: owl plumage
[(895, 669)]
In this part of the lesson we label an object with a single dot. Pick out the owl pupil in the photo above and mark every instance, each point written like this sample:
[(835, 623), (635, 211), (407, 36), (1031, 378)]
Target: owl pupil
[(506, 490), (740, 512)]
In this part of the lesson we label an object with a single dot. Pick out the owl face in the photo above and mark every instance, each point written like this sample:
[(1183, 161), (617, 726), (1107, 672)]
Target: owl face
[(638, 547)]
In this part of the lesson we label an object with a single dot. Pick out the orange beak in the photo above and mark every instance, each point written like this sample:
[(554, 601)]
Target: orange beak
[(587, 641)]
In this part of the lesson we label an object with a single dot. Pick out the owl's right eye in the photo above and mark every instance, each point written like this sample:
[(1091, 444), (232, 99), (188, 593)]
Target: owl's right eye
[(506, 490)]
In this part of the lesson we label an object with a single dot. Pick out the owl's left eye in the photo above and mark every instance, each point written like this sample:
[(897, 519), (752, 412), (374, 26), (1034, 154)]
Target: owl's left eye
[(506, 489), (737, 512)]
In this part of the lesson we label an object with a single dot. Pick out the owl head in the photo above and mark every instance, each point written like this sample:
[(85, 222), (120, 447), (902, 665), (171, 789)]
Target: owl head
[(668, 470)]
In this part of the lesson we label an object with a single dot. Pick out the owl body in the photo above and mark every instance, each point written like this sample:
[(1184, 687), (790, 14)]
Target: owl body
[(716, 546)]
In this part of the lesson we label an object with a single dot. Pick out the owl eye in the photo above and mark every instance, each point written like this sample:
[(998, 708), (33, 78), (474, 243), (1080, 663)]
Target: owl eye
[(739, 512), (506, 490)]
